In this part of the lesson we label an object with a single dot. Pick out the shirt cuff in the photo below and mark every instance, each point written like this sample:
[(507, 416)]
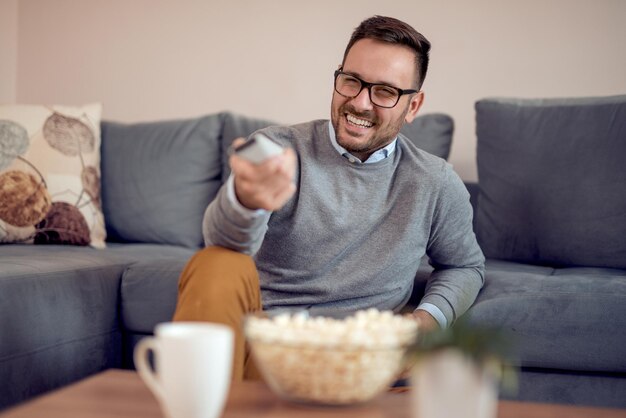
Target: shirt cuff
[(435, 312), (246, 213)]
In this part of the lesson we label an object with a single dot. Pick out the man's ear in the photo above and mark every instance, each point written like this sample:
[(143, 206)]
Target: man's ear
[(414, 106)]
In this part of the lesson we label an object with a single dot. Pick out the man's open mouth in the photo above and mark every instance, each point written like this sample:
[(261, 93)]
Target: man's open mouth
[(361, 123)]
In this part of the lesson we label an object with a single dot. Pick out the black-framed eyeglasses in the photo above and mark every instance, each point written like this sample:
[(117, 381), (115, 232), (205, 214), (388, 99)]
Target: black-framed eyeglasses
[(381, 95)]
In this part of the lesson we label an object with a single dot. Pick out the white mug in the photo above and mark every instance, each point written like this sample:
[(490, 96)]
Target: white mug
[(193, 362)]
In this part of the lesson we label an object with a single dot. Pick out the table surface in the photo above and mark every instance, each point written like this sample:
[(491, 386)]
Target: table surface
[(122, 394)]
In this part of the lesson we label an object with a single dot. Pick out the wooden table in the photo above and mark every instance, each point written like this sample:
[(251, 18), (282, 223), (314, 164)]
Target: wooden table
[(121, 394)]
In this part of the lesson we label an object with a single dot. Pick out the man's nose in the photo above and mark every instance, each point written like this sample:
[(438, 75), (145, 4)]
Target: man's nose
[(362, 100)]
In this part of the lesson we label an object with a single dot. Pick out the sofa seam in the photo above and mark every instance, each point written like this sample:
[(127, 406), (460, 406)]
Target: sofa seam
[(37, 276), (52, 346)]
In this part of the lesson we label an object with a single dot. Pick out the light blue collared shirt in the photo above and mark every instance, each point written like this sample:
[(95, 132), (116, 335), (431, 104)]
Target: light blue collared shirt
[(378, 155)]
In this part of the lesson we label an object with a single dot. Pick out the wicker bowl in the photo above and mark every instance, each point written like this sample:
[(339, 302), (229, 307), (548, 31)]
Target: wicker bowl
[(328, 361)]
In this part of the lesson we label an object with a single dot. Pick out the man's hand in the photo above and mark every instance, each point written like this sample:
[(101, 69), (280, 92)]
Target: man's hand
[(426, 321), (268, 185)]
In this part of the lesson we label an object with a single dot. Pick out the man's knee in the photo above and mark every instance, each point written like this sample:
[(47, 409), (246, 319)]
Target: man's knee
[(219, 254), (218, 268), (217, 274)]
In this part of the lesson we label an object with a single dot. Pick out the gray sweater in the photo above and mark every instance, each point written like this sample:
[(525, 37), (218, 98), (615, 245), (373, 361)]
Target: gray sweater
[(353, 235)]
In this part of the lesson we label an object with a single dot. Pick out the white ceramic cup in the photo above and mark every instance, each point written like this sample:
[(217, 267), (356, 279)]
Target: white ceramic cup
[(193, 362)]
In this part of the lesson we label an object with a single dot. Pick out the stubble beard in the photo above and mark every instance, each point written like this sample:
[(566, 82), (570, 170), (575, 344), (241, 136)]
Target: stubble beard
[(380, 138)]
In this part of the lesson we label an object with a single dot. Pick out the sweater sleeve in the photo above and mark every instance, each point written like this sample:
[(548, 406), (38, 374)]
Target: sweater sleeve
[(227, 226), (454, 253)]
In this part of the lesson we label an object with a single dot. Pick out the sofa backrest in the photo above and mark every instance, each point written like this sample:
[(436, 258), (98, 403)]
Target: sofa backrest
[(159, 177), (552, 180), (431, 132)]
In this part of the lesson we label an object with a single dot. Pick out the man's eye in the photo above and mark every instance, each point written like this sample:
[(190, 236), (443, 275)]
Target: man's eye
[(351, 82), (386, 92)]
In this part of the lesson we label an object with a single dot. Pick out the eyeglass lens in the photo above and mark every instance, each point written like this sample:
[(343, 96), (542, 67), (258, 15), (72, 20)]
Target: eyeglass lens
[(380, 95)]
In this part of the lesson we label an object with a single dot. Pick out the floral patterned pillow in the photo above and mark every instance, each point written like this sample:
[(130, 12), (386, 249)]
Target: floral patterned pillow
[(50, 175)]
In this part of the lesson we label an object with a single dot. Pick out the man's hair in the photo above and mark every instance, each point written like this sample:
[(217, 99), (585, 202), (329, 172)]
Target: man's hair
[(394, 31)]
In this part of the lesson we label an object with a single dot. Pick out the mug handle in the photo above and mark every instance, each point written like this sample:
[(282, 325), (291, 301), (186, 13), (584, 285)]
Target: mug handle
[(148, 375)]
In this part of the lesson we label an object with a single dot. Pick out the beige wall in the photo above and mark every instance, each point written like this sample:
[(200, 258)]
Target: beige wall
[(152, 59), (8, 51)]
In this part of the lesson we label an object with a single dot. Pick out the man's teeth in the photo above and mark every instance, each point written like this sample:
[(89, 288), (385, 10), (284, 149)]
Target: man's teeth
[(360, 122)]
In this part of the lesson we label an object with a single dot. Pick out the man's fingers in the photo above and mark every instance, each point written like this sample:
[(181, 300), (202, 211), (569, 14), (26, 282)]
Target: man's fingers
[(284, 195), (289, 165), (268, 185)]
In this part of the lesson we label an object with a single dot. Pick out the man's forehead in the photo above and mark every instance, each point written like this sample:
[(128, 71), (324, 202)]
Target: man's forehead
[(381, 62)]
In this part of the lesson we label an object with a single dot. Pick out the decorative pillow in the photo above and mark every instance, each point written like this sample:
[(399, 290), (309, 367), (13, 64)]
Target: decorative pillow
[(159, 177), (431, 132), (553, 180), (50, 175)]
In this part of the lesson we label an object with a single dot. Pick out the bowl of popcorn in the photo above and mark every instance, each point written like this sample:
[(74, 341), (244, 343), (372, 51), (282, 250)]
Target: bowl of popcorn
[(329, 361)]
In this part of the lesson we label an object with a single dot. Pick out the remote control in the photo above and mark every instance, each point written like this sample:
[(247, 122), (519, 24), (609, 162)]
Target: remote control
[(258, 148)]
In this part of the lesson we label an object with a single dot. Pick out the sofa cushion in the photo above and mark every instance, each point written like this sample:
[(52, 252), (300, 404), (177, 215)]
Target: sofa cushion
[(158, 178), (563, 318), (50, 175), (552, 180), (431, 132), (150, 284), (574, 388), (149, 290), (58, 317)]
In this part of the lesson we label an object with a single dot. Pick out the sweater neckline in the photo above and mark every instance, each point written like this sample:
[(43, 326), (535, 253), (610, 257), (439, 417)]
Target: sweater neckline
[(352, 161)]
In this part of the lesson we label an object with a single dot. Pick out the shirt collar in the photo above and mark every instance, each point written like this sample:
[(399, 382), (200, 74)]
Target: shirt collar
[(378, 155)]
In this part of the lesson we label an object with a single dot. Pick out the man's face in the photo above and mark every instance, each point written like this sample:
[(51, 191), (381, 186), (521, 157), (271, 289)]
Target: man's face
[(362, 127)]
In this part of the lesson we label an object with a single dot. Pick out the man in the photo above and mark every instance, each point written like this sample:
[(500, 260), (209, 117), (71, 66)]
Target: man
[(341, 219)]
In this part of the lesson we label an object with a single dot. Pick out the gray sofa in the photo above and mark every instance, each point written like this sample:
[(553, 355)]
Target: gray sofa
[(551, 220), (68, 312)]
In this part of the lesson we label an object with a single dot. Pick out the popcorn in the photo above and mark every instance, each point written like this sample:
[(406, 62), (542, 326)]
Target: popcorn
[(328, 360)]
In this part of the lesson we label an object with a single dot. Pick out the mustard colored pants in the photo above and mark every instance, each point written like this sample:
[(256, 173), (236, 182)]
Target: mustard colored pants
[(221, 286)]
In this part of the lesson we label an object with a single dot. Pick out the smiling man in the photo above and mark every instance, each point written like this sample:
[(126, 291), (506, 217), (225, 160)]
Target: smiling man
[(342, 218), (365, 123)]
